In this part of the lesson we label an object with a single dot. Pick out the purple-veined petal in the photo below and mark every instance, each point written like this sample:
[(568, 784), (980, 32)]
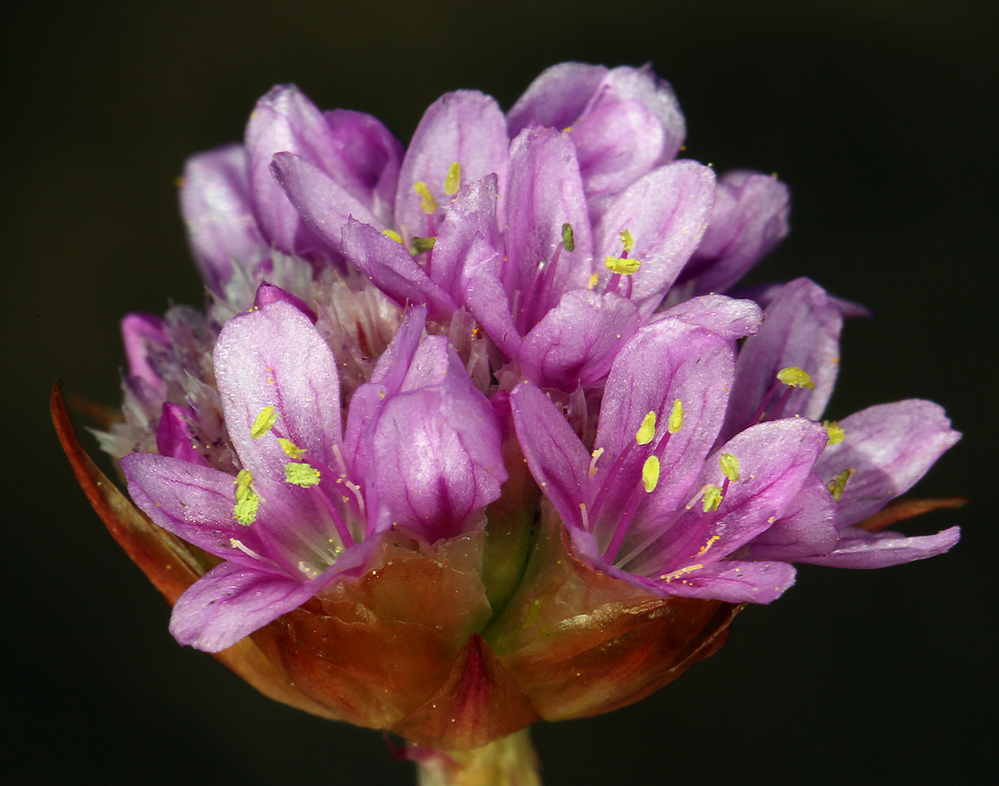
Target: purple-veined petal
[(284, 120), (465, 126), (215, 204), (860, 549), (807, 528), (471, 217), (544, 191), (275, 357), (268, 293), (725, 316), (232, 601), (749, 220), (556, 98), (194, 502), (663, 363), (483, 295), (642, 84), (144, 336), (578, 340), (733, 581), (556, 457), (618, 140), (889, 447), (370, 157), (390, 267), (666, 212), (174, 436), (765, 293), (436, 449), (386, 381), (319, 201), (801, 329), (775, 461)]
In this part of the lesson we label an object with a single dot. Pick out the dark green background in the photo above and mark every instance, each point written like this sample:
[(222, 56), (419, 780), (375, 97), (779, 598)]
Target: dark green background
[(881, 117)]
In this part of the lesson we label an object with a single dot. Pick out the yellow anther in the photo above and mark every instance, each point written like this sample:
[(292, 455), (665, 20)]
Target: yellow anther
[(675, 418), (291, 450), (627, 240), (263, 423), (838, 483), (682, 572), (593, 460), (795, 377), (393, 235), (568, 238), (302, 475), (243, 481), (712, 498), (453, 180), (729, 466), (247, 501), (421, 244), (593, 281), (647, 430), (650, 474), (836, 434), (426, 198), (709, 544), (625, 267)]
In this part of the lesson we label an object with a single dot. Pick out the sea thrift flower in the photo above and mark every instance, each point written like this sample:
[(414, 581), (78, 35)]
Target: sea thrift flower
[(470, 434)]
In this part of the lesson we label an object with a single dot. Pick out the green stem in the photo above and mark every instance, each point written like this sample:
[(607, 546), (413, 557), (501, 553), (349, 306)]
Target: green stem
[(510, 761)]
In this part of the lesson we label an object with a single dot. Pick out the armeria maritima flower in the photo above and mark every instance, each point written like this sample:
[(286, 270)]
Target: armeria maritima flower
[(471, 433)]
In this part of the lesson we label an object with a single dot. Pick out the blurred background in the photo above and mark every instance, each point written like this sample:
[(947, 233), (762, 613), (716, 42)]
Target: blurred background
[(880, 114)]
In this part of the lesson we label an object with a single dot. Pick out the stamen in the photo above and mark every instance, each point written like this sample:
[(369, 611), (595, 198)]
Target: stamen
[(729, 466), (627, 241), (291, 450), (668, 577), (422, 244), (568, 238), (650, 474), (836, 433), (309, 572), (303, 475), (453, 180), (238, 544), (243, 480), (247, 500), (427, 202), (585, 516), (647, 430), (593, 460), (356, 491), (709, 544), (622, 266), (675, 418), (245, 509), (594, 280), (795, 378), (265, 420), (712, 498), (392, 234), (838, 483)]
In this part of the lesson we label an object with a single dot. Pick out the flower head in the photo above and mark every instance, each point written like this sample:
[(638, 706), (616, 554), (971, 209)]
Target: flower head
[(467, 420)]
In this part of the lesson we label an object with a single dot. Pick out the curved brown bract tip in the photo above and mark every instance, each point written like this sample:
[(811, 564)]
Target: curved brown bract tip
[(478, 702), (166, 560), (901, 509)]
